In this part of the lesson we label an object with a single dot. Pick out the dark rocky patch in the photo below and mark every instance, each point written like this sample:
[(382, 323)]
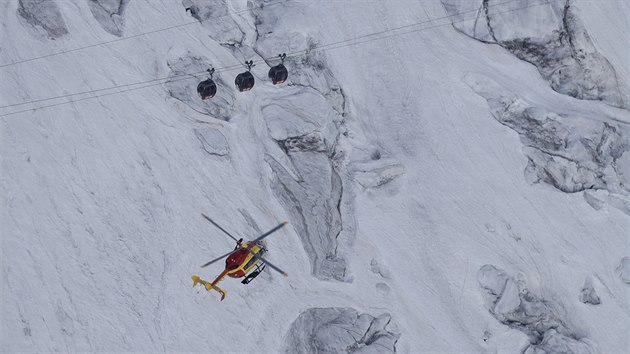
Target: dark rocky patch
[(569, 152), (340, 330), (588, 295), (43, 15), (512, 304), (623, 270), (216, 18), (563, 53), (109, 14)]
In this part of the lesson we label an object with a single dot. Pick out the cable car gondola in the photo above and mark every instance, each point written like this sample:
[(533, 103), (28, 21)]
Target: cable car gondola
[(245, 80), (207, 88), (279, 74)]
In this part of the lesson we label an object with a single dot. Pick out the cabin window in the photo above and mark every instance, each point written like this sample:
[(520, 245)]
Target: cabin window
[(250, 263)]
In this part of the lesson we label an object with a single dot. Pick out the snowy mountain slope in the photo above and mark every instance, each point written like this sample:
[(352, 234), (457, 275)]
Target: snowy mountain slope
[(101, 198)]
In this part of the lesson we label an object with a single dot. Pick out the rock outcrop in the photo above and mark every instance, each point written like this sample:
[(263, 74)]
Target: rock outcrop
[(511, 303), (109, 14), (340, 330), (43, 16), (548, 35)]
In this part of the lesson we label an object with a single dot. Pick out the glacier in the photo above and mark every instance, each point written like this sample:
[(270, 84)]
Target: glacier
[(455, 174)]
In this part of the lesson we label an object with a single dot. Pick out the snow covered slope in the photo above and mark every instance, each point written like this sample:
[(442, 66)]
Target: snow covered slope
[(447, 191)]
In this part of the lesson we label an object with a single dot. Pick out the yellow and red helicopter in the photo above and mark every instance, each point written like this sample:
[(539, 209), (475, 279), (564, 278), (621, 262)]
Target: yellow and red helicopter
[(244, 261)]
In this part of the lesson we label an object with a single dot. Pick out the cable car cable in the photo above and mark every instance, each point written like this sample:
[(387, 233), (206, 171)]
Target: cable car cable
[(132, 36), (330, 46)]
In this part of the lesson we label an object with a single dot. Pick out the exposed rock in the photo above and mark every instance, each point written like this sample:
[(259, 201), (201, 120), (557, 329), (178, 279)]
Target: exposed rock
[(570, 152), (43, 15), (216, 18), (312, 201), (312, 198), (548, 35), (109, 14), (186, 72), (312, 141), (588, 295), (512, 304), (340, 330), (623, 270), (553, 342)]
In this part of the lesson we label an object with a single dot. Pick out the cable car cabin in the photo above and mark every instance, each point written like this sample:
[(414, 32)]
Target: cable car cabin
[(244, 81), (207, 89), (278, 74)]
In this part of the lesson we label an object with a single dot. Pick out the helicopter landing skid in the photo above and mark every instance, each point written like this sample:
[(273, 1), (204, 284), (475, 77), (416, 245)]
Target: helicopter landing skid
[(253, 274)]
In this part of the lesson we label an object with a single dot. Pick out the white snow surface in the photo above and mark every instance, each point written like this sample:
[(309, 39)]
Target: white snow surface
[(101, 198)]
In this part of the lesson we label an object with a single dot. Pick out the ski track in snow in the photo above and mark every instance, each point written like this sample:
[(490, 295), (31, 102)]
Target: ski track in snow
[(424, 188)]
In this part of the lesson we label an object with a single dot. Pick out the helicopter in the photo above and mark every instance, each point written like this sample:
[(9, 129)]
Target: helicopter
[(244, 261)]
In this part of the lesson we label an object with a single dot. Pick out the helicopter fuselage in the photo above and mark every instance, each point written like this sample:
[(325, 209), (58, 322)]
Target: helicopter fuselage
[(239, 263)]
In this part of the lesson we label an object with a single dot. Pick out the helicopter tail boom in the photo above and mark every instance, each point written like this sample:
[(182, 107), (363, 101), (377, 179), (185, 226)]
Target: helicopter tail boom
[(208, 286)]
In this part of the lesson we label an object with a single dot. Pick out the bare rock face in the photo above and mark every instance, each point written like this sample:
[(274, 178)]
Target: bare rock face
[(340, 330), (43, 16), (307, 182), (588, 295), (623, 270), (109, 14), (186, 72), (569, 152), (549, 36), (216, 18), (512, 304)]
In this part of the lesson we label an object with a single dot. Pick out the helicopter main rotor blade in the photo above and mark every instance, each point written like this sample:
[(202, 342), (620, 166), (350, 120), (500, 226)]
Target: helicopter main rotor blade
[(269, 232), (269, 264), (219, 258), (219, 227)]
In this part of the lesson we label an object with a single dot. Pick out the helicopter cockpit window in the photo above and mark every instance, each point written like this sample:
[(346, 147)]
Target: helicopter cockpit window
[(231, 264), (250, 263)]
